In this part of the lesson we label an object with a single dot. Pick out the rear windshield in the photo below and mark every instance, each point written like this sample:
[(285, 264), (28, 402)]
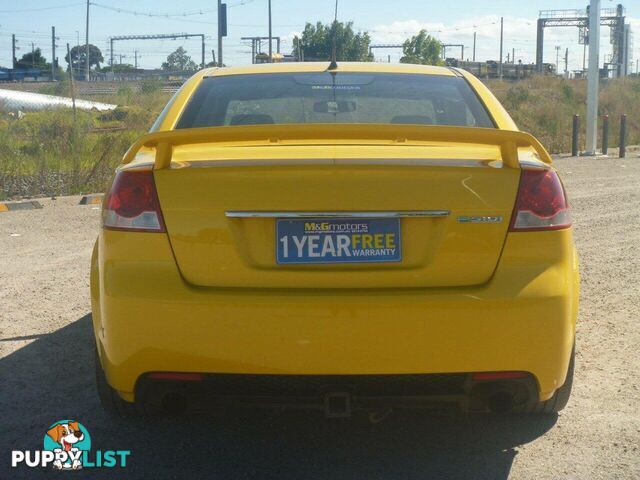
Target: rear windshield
[(286, 98)]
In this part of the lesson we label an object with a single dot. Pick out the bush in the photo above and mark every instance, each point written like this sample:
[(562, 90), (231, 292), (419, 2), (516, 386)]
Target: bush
[(47, 153), (151, 85), (544, 106)]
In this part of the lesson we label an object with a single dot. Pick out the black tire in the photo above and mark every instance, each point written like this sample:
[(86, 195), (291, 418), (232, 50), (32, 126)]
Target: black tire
[(560, 397), (110, 401)]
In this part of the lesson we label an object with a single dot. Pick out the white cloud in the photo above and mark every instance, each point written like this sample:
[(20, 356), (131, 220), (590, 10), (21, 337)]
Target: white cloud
[(519, 35)]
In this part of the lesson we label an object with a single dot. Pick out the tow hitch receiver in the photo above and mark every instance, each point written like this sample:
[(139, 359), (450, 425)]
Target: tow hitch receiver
[(337, 405)]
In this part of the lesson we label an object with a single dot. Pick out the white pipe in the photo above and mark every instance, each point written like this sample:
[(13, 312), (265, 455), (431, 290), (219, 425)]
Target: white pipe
[(13, 100)]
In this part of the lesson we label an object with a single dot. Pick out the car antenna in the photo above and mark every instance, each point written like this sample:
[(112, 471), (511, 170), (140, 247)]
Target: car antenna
[(334, 64)]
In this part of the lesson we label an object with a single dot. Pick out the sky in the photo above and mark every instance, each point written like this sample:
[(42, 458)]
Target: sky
[(389, 21)]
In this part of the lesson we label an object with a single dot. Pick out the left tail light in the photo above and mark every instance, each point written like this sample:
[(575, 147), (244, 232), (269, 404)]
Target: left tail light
[(541, 203), (132, 203)]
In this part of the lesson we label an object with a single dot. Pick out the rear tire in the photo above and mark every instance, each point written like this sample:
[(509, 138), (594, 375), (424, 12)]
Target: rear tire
[(560, 397), (110, 401)]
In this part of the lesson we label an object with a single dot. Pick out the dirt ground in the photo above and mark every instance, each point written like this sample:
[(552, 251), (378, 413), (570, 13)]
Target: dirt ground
[(46, 371)]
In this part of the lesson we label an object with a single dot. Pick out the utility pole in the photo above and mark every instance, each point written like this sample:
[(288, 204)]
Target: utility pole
[(203, 52), (593, 77), (513, 55), (86, 75), (501, 41), (566, 63), (53, 54), (270, 46), (135, 58), (474, 46), (71, 85), (13, 50), (557, 58), (219, 33), (33, 55)]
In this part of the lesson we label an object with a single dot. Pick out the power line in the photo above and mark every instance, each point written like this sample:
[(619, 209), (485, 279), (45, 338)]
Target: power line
[(149, 14), (42, 8), (173, 16), (240, 3), (442, 30)]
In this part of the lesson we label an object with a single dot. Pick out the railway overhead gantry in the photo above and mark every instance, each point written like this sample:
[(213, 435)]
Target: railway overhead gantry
[(609, 17)]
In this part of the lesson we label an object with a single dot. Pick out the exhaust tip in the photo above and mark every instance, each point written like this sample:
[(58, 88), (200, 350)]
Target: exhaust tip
[(500, 402), (174, 403)]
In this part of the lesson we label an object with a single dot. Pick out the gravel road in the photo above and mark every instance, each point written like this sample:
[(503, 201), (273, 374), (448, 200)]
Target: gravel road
[(46, 371)]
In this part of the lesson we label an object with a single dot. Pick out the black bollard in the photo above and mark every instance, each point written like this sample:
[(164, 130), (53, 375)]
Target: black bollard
[(605, 134), (574, 135), (623, 136)]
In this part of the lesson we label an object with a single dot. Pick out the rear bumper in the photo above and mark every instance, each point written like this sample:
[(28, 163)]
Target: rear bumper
[(337, 395), (146, 318)]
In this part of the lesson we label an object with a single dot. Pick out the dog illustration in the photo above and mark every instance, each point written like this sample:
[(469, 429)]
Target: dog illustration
[(67, 434)]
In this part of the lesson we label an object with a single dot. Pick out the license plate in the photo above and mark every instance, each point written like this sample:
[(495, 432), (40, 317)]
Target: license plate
[(352, 240)]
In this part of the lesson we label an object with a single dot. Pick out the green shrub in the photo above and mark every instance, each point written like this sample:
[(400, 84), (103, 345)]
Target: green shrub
[(151, 85), (48, 153)]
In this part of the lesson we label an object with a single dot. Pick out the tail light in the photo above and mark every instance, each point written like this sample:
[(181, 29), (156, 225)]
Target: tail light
[(541, 203), (132, 203)]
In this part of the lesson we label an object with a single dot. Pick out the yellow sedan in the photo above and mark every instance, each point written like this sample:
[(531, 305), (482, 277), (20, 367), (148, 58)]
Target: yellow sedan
[(345, 238)]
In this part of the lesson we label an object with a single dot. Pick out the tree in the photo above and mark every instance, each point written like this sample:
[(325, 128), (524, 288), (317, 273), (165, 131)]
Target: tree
[(33, 60), (422, 48), (79, 57), (317, 43), (179, 61)]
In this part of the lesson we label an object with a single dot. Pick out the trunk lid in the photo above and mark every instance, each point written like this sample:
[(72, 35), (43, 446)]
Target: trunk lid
[(212, 249)]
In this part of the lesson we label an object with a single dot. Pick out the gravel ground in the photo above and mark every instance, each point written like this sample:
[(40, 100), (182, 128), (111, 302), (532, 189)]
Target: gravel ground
[(46, 371)]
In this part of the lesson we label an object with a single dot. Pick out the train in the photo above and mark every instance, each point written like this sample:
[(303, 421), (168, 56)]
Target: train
[(19, 74), (275, 58), (510, 71)]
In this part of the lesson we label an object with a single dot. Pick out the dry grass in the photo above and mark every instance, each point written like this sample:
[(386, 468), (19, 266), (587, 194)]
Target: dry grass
[(545, 106), (46, 154)]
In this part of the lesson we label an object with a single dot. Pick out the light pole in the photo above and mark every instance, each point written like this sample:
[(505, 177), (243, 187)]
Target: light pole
[(86, 74), (474, 46), (270, 46), (593, 78), (220, 33), (501, 42)]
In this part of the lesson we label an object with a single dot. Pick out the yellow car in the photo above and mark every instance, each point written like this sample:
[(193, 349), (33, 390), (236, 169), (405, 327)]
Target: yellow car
[(336, 237)]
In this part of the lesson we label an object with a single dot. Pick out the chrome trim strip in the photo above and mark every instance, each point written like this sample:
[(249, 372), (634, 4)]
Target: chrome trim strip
[(404, 162), (363, 214), (534, 165)]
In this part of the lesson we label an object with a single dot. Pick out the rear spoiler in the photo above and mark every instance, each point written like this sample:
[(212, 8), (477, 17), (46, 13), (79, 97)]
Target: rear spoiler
[(508, 141)]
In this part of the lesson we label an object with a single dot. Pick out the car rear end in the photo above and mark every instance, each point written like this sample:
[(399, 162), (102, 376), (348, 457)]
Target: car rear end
[(335, 241)]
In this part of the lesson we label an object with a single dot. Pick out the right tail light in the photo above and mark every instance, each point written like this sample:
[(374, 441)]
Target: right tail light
[(541, 203)]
